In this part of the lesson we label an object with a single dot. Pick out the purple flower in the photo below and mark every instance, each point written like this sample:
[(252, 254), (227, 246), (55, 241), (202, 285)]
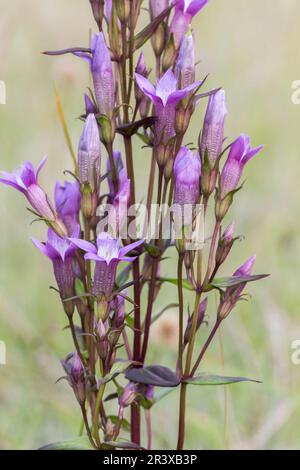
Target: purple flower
[(187, 170), (201, 313), (61, 252), (165, 96), (185, 10), (128, 395), (118, 305), (240, 153), (102, 73), (120, 206), (225, 243), (75, 373), (157, 7), (213, 129), (107, 255), (89, 152), (68, 202), (26, 181), (232, 294), (185, 64)]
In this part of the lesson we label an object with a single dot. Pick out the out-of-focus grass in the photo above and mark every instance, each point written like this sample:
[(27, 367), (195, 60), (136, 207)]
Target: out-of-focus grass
[(251, 49)]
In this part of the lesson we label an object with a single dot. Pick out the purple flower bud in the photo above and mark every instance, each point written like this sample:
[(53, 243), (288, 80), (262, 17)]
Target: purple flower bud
[(225, 243), (213, 129), (149, 393), (75, 372), (102, 73), (233, 294), (89, 152), (118, 305), (107, 255), (165, 97), (187, 170), (128, 395), (240, 153), (60, 251), (90, 107), (201, 312), (120, 206), (185, 64), (157, 7), (185, 10), (68, 202), (103, 343), (26, 181)]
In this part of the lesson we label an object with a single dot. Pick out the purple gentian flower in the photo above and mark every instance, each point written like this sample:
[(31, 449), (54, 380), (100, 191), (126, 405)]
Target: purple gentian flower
[(107, 255), (118, 305), (201, 313), (157, 7), (89, 152), (225, 243), (185, 64), (68, 202), (128, 395), (240, 153), (213, 129), (232, 294), (26, 181), (102, 73), (61, 252), (120, 206), (187, 171), (165, 96), (75, 373), (185, 10)]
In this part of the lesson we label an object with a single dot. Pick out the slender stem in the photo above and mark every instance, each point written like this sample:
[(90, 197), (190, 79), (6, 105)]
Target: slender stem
[(75, 340), (211, 253), (148, 428), (206, 345), (87, 427), (180, 301), (96, 414), (135, 424), (181, 424)]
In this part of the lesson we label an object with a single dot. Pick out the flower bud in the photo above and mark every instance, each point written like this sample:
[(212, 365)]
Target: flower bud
[(102, 344), (187, 170), (158, 38), (169, 55), (128, 395), (201, 313), (123, 10), (89, 153), (108, 129), (87, 200), (225, 243), (185, 64)]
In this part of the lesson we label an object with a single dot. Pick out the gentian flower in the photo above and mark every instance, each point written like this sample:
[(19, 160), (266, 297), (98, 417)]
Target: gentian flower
[(102, 73), (225, 243), (61, 252), (128, 395), (185, 10), (26, 181), (240, 153), (75, 374), (232, 294), (68, 202), (187, 171), (185, 64), (213, 128), (107, 255), (165, 96), (89, 153), (201, 313), (120, 206), (157, 7)]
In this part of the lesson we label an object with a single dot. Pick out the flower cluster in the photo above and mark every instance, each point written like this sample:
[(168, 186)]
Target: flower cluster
[(101, 277)]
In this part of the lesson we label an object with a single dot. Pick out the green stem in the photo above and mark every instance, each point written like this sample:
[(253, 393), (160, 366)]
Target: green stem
[(180, 301), (181, 424)]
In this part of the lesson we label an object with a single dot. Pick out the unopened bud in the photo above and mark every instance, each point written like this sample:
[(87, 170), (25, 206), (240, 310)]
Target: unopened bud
[(108, 129), (123, 10), (87, 200), (170, 54)]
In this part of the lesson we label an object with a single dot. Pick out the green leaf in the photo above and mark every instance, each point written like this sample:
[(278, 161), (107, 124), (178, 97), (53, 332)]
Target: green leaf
[(209, 379), (185, 283), (124, 424), (80, 443), (223, 282)]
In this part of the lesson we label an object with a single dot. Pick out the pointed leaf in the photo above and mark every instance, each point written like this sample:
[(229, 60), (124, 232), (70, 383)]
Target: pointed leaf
[(232, 281), (159, 376), (209, 379), (185, 283), (148, 31), (80, 443)]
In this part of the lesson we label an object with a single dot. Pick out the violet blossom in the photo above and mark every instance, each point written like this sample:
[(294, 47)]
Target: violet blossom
[(107, 254), (61, 252), (240, 153), (26, 181), (185, 64), (89, 153), (121, 174), (102, 73), (75, 374), (187, 170), (212, 136), (165, 96), (185, 10), (68, 202)]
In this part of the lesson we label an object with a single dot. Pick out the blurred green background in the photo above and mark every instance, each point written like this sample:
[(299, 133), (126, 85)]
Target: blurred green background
[(251, 49)]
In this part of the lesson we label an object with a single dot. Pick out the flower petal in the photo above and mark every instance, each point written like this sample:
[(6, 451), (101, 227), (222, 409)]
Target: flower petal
[(126, 249), (146, 87), (83, 245)]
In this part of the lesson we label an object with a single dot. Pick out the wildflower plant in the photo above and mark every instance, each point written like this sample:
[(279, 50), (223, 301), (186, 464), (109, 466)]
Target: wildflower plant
[(107, 270)]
